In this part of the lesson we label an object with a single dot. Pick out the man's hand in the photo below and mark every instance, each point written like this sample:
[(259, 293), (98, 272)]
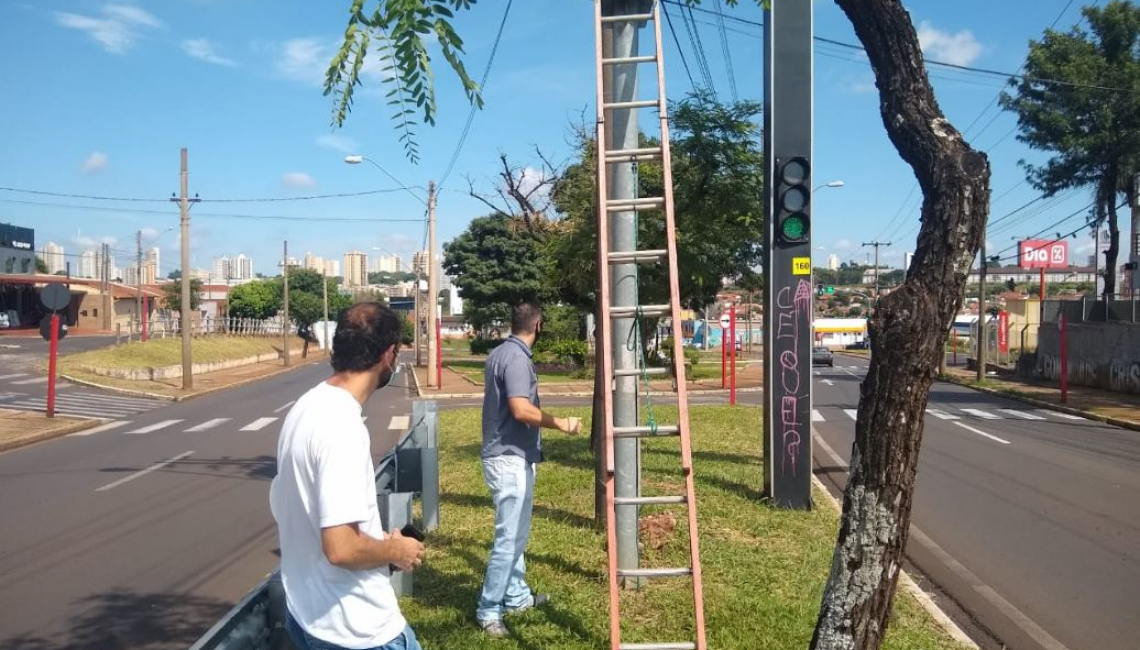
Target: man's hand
[(407, 553), (572, 426)]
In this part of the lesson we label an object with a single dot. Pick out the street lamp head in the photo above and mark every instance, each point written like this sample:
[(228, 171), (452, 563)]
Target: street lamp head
[(835, 184), (354, 159)]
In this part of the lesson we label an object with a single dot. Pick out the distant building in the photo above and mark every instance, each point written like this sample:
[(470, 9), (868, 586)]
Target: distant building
[(420, 263), (87, 265), (53, 255), (907, 258), (388, 264), (869, 274), (332, 268), (833, 262), (314, 263), (1000, 274), (17, 249), (242, 267), (455, 303), (355, 269), (222, 271), (200, 274)]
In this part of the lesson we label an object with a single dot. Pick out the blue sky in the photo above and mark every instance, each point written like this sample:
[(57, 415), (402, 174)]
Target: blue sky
[(100, 96)]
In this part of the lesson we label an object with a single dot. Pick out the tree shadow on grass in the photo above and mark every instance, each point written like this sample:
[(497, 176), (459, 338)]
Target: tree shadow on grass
[(540, 510), (128, 620)]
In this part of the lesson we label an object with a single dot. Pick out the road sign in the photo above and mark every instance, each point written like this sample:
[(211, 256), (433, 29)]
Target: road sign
[(1043, 254), (830, 290), (801, 266), (725, 320), (402, 303), (45, 328), (55, 296)]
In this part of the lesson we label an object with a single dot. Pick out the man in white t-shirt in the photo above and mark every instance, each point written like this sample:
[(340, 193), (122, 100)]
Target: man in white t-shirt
[(335, 556)]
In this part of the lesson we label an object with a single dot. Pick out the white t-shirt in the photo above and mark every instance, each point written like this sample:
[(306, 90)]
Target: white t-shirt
[(325, 478)]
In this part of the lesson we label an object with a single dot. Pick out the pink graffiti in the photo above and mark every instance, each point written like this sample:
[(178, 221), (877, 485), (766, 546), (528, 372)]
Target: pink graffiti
[(791, 313)]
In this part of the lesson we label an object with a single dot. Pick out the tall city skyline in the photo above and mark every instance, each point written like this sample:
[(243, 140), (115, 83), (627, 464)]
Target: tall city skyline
[(355, 269)]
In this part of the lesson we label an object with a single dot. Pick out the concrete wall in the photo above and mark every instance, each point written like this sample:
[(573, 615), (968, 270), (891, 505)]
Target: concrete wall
[(1104, 355)]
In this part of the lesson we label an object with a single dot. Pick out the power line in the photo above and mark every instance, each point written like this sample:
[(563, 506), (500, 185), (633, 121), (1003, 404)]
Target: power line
[(482, 85), (219, 215), (725, 51), (680, 50), (88, 197)]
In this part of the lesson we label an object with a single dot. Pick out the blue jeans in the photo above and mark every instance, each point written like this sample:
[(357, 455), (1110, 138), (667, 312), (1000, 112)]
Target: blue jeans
[(511, 481), (302, 640)]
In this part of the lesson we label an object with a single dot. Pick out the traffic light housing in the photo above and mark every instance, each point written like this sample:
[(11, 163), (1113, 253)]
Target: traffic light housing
[(793, 201)]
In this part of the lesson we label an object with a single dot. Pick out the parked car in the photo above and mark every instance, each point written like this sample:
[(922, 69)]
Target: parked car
[(859, 345), (4, 324), (821, 356)]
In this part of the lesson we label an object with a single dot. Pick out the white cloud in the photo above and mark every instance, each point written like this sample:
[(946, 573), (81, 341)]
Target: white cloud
[(960, 48), (298, 180), (116, 30), (306, 60), (531, 178), (95, 163), (862, 86), (202, 49), (337, 142), (87, 242), (842, 245), (149, 233)]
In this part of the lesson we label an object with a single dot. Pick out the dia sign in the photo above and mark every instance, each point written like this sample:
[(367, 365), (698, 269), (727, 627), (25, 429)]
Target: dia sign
[(1043, 254)]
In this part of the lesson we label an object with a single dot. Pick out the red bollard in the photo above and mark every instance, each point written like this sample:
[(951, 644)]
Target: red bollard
[(732, 352), (53, 351), (723, 358), (439, 353), (145, 309)]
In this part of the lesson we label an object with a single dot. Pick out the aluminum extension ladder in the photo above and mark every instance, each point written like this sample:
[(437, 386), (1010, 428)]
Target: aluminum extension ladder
[(667, 256)]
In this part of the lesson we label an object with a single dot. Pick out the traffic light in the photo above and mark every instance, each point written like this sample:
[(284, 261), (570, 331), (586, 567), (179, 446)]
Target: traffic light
[(793, 198), (819, 289)]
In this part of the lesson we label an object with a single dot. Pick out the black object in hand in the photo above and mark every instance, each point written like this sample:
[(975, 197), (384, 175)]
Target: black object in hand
[(408, 531)]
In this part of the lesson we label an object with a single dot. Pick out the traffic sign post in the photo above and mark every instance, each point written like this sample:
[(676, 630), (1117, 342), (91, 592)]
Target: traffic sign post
[(732, 362), (54, 297), (53, 351)]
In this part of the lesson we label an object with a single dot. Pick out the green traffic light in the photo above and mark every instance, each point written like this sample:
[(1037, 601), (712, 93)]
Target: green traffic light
[(794, 227)]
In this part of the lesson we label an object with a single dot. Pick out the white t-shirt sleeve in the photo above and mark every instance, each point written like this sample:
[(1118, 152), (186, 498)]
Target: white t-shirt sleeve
[(342, 483)]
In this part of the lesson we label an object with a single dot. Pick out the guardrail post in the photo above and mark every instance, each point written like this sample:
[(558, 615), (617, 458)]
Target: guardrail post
[(430, 466), (395, 513)]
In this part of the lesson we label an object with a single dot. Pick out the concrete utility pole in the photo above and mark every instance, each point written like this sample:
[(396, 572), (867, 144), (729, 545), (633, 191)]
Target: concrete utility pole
[(619, 84), (1134, 248), (877, 244), (184, 202), (325, 300), (285, 310), (981, 344), (433, 378), (138, 275)]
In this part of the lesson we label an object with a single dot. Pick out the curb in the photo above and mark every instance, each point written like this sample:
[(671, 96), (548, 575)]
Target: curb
[(410, 368), (659, 393), (911, 587), (48, 435), (1124, 424)]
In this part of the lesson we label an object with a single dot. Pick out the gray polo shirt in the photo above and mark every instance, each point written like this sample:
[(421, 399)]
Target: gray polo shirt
[(509, 373)]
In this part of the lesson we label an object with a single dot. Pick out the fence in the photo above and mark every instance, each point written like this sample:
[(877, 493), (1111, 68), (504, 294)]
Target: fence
[(1092, 310), (412, 467), (165, 327)]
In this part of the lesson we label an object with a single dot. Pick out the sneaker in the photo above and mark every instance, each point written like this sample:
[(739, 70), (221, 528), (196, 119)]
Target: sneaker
[(495, 629), (536, 600)]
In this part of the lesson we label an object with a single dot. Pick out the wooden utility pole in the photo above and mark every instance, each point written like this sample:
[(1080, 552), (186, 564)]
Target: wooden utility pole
[(982, 340), (184, 202), (138, 276), (325, 300), (285, 308), (433, 378)]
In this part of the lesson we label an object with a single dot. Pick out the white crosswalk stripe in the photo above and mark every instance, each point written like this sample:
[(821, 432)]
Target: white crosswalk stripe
[(816, 416), (115, 424), (64, 407), (1067, 416), (258, 424), (18, 374), (942, 415), (985, 415), (28, 382), (1024, 415), (399, 422), (852, 413), (207, 425), (87, 405), (155, 427)]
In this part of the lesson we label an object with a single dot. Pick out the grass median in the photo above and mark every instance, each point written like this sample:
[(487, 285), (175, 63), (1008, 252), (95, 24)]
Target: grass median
[(764, 569)]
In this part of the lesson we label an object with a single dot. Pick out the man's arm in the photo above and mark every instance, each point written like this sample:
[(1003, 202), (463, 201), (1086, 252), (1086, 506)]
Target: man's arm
[(348, 548), (529, 414)]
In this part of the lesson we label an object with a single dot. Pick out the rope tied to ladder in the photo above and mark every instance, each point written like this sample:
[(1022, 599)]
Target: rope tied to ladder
[(633, 341)]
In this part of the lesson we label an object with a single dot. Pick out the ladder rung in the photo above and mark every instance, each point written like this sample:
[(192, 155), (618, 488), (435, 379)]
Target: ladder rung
[(639, 103), (679, 572), (628, 18), (648, 501), (625, 205), (631, 155), (646, 310), (684, 645), (636, 372), (630, 257), (645, 432), (651, 58)]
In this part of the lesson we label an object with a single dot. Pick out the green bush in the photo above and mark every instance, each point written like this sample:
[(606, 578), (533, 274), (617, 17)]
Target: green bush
[(692, 356), (484, 346), (566, 352)]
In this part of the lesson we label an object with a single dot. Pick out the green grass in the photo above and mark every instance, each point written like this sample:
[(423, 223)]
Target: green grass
[(764, 569), (158, 353), (474, 370)]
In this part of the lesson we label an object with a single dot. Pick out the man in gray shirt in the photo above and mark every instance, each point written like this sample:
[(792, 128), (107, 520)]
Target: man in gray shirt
[(512, 447)]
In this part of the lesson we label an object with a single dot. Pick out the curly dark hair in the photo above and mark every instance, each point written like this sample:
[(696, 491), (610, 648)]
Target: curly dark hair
[(363, 332)]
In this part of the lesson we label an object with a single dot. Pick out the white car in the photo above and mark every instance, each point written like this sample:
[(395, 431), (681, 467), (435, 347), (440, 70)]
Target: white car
[(4, 323)]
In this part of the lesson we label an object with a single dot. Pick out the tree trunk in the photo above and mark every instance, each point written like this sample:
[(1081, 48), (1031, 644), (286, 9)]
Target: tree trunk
[(908, 331), (1113, 252)]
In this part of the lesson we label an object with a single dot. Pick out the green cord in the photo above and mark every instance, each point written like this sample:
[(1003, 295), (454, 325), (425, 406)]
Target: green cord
[(633, 341)]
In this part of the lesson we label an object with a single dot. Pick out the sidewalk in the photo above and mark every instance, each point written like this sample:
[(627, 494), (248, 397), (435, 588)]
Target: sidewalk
[(19, 428), (456, 384)]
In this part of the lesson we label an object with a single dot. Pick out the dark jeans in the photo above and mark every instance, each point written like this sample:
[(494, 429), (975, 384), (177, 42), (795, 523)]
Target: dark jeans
[(305, 641)]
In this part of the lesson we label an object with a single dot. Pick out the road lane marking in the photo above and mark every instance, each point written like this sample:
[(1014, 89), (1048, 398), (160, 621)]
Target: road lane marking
[(816, 416), (828, 382), (18, 374), (982, 433), (852, 413), (942, 415), (105, 427), (144, 472), (62, 407), (1021, 414), (285, 406), (25, 382), (985, 415), (1067, 416), (122, 401), (399, 422), (155, 427), (208, 424), (258, 424)]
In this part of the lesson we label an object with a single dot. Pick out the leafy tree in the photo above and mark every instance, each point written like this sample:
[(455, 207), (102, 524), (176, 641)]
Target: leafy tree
[(495, 266), (387, 277), (176, 274), (1092, 131), (41, 265), (172, 295), (305, 309), (407, 331), (258, 299)]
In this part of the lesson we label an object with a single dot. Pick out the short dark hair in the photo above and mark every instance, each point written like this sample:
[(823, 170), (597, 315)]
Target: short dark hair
[(524, 317), (363, 332)]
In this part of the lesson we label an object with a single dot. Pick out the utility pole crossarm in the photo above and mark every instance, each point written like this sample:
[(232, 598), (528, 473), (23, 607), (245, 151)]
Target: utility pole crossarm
[(877, 244)]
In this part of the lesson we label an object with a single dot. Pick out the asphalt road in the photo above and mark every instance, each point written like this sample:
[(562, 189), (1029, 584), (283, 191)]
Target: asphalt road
[(1026, 519), (142, 532)]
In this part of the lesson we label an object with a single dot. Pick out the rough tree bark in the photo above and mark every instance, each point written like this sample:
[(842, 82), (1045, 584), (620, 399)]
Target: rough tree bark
[(908, 331)]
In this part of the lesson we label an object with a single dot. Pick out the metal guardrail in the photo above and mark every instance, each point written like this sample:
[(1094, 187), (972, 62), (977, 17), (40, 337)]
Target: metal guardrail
[(257, 622)]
